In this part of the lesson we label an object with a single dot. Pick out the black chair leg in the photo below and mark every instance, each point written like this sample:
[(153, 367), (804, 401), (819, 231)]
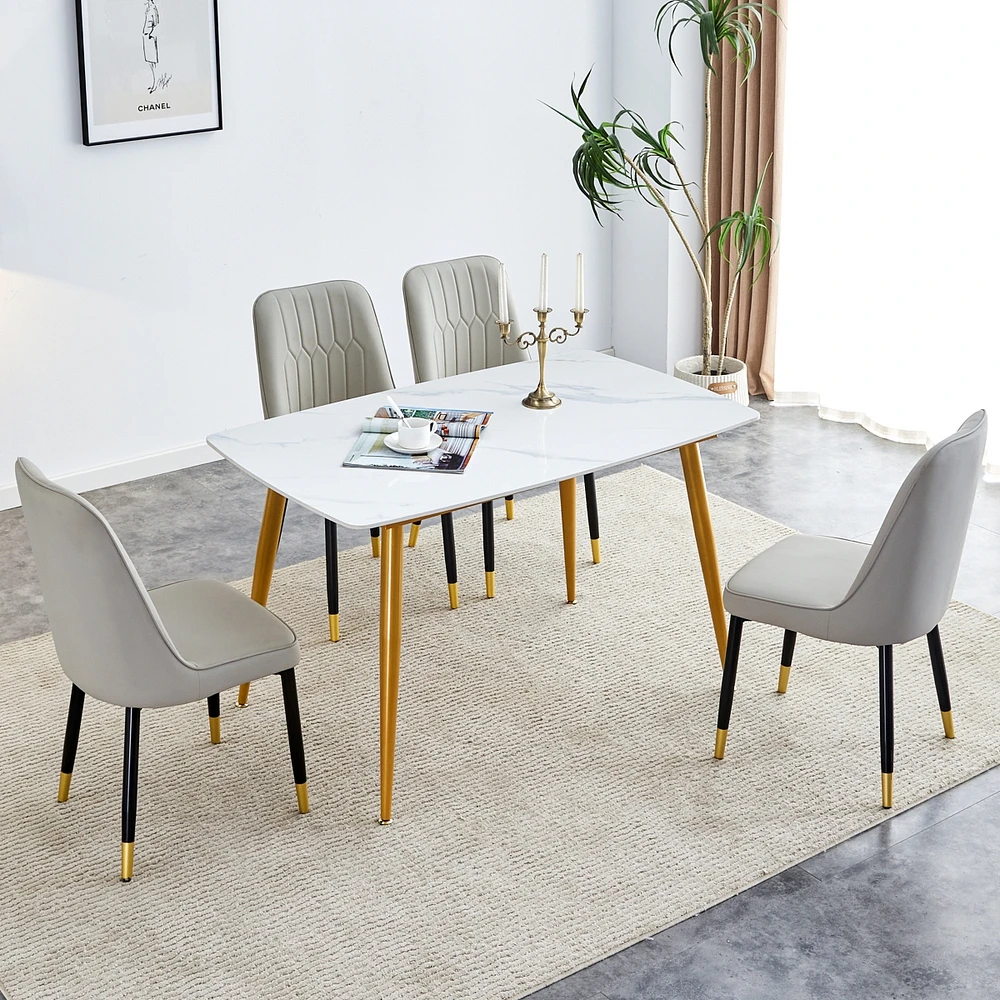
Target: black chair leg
[(411, 542), (886, 720), (489, 549), (728, 684), (787, 652), (590, 489), (70, 741), (130, 790), (332, 581), (376, 534), (941, 680), (290, 696), (450, 558), (214, 711), (509, 506)]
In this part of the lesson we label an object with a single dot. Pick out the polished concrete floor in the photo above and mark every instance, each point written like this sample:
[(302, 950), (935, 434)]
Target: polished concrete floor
[(909, 909)]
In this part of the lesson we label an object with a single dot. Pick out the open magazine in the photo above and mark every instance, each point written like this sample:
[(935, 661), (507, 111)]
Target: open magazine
[(459, 431)]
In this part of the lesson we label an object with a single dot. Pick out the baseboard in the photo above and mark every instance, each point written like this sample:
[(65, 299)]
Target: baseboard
[(607, 350), (122, 472)]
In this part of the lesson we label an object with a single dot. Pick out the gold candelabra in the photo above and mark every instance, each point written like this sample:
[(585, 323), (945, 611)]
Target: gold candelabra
[(542, 398)]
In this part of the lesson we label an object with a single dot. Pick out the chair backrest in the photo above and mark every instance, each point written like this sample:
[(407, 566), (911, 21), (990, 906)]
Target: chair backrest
[(908, 576), (451, 312), (317, 344), (110, 640)]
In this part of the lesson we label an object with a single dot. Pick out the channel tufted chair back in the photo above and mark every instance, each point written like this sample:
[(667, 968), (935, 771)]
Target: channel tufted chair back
[(451, 311), (317, 344)]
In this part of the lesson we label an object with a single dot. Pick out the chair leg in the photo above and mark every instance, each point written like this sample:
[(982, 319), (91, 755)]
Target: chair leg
[(130, 789), (941, 681), (376, 534), (590, 489), (414, 534), (70, 741), (214, 711), (509, 505), (332, 581), (489, 550), (450, 559), (290, 697), (787, 652), (886, 721), (728, 684)]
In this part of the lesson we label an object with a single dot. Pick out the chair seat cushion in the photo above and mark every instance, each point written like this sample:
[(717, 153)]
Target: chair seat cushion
[(218, 630), (796, 582)]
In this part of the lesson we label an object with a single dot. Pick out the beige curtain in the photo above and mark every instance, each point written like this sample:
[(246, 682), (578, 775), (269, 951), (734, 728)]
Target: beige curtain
[(746, 131)]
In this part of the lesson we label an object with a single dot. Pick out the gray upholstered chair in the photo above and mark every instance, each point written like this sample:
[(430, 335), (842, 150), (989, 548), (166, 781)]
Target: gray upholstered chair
[(319, 344), (451, 313), (889, 592), (127, 646)]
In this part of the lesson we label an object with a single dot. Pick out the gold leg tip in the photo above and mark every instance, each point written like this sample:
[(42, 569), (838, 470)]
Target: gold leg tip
[(384, 822), (215, 729), (64, 780), (595, 549), (302, 794), (414, 534), (334, 628), (509, 504), (949, 725), (244, 694), (783, 679), (128, 855), (491, 585), (376, 548), (453, 595), (720, 743), (887, 791)]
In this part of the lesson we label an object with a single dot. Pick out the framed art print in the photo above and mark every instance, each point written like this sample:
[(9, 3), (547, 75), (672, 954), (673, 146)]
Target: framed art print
[(148, 68)]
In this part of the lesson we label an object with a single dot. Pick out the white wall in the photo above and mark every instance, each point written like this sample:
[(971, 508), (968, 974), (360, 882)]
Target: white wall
[(656, 296), (359, 139)]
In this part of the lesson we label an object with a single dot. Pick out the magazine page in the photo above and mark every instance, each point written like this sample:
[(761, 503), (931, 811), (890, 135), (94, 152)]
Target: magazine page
[(371, 452), (447, 423)]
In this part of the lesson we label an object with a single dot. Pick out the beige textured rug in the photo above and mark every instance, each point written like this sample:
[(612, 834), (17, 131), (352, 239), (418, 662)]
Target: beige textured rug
[(556, 795)]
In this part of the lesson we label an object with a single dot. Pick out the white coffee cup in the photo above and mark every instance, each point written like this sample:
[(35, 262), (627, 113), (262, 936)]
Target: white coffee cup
[(416, 435)]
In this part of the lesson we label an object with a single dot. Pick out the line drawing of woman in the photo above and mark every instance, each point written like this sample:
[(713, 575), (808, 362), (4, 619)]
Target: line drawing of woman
[(150, 46)]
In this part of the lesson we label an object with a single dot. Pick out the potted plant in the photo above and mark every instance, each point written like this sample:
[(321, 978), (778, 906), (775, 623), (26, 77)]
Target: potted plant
[(602, 166)]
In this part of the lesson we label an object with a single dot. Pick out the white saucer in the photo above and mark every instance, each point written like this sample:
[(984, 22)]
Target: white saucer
[(392, 442)]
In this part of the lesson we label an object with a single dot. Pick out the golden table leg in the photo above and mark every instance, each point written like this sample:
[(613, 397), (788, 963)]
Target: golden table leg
[(267, 551), (390, 644), (694, 480), (567, 503)]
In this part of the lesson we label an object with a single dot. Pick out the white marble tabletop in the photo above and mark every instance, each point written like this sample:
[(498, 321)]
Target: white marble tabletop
[(613, 411)]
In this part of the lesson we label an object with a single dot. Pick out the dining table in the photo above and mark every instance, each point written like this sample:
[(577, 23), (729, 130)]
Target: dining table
[(613, 412)]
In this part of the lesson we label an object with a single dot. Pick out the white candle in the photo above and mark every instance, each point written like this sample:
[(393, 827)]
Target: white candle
[(502, 308), (579, 282), (543, 284)]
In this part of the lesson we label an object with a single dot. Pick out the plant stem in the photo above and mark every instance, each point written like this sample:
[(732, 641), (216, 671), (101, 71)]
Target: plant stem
[(691, 201), (724, 334), (706, 316), (655, 192)]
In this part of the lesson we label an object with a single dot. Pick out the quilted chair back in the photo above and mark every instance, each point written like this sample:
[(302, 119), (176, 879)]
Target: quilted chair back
[(451, 312), (318, 344)]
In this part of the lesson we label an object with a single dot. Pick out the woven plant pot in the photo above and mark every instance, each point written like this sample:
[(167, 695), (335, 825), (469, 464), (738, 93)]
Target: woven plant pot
[(732, 383)]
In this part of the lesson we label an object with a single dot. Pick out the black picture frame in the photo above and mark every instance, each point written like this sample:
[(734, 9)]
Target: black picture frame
[(111, 78)]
